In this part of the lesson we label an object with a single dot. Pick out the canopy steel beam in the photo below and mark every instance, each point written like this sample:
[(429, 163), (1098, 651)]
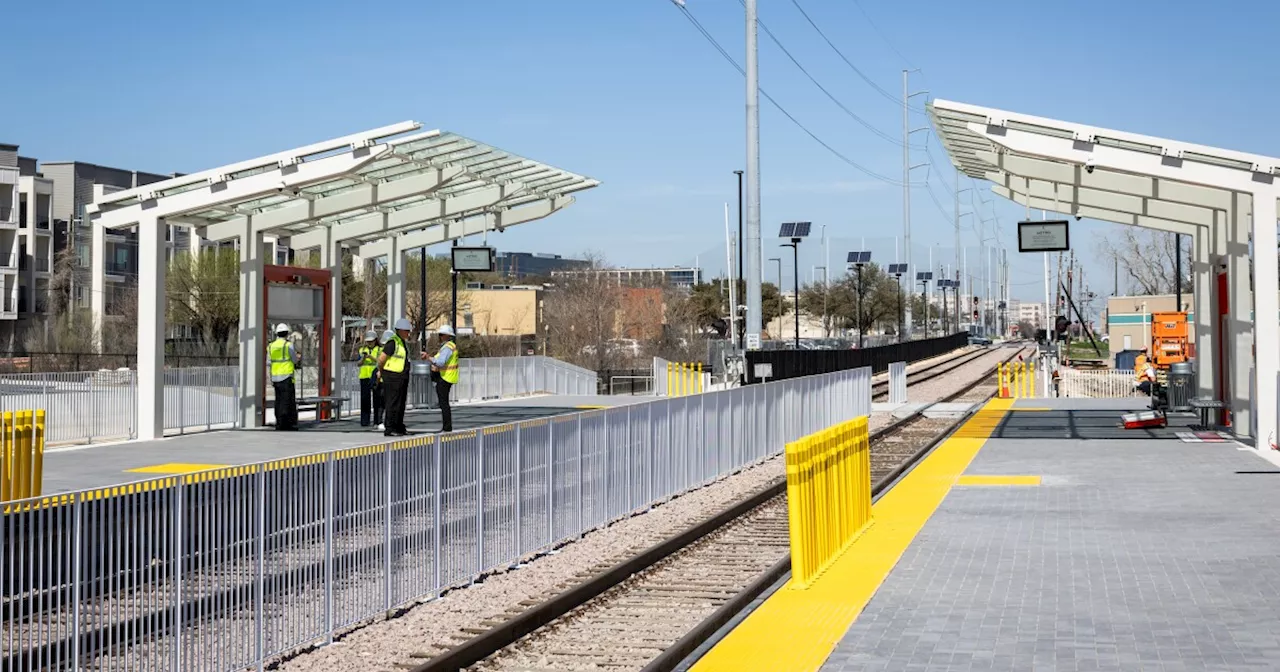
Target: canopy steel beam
[(490, 221)]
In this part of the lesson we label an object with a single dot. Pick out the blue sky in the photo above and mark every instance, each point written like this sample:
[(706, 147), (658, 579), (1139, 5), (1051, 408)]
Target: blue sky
[(627, 91)]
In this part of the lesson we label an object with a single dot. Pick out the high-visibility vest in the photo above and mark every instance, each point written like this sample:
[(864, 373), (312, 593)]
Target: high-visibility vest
[(281, 362), (368, 361), (449, 372), (395, 363), (1139, 364)]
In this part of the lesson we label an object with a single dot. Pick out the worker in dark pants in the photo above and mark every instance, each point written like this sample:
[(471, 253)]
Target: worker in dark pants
[(284, 360), (370, 390), (393, 364), (444, 371)]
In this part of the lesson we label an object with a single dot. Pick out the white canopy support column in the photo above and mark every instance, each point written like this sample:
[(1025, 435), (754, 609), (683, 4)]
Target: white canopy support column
[(395, 280), (98, 283), (1239, 347), (253, 345), (331, 259), (151, 327), (1266, 297), (1203, 289)]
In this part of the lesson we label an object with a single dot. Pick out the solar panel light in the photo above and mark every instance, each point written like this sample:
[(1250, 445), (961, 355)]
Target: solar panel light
[(795, 230), (924, 276), (898, 269), (859, 258)]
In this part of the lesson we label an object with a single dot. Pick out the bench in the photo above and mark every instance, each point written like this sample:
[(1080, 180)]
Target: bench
[(1204, 405), (333, 404)]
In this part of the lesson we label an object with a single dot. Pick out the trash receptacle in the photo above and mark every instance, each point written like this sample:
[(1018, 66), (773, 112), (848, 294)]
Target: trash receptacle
[(421, 391), (1182, 386)]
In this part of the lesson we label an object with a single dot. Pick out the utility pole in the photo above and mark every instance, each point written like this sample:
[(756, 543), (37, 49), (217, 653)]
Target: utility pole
[(906, 192), (733, 310), (754, 314)]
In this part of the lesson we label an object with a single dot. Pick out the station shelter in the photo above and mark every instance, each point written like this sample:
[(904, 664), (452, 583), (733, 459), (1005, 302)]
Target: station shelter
[(376, 194), (1224, 200)]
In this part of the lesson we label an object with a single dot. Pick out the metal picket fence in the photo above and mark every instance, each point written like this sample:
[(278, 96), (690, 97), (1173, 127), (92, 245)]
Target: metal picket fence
[(1099, 384), (227, 569), (97, 406)]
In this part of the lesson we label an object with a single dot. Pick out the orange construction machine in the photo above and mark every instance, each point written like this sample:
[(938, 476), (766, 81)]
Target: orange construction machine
[(1170, 341)]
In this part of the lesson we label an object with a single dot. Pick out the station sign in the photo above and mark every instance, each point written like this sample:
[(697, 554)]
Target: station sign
[(1044, 236), (472, 259)]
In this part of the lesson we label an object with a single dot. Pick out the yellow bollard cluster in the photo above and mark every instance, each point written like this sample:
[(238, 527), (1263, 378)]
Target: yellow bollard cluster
[(684, 379), (1017, 380), (21, 455), (828, 496)]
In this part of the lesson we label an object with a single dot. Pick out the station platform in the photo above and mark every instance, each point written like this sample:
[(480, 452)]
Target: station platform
[(1042, 536), (103, 465)]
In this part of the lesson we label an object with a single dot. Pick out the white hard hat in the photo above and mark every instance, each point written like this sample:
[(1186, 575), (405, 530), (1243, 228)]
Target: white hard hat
[(371, 335), (282, 328), (445, 329), (386, 335), (403, 324)]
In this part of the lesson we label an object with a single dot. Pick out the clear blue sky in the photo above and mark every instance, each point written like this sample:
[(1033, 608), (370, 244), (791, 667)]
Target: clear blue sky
[(627, 91)]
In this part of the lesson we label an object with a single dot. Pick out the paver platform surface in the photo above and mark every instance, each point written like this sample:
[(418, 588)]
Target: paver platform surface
[(1135, 551), (95, 466)]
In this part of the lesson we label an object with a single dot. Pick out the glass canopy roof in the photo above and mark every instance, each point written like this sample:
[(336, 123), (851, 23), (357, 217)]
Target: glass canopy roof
[(393, 153)]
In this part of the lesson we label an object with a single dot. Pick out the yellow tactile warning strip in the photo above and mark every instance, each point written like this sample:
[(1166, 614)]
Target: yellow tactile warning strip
[(977, 479), (175, 468), (798, 629)]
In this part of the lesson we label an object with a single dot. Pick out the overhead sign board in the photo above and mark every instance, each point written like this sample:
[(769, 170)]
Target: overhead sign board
[(473, 259), (1044, 236)]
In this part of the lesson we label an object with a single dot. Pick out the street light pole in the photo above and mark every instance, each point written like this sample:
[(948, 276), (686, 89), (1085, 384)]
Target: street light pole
[(742, 323), (752, 242)]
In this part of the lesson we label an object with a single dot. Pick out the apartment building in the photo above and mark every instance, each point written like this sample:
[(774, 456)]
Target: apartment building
[(680, 276)]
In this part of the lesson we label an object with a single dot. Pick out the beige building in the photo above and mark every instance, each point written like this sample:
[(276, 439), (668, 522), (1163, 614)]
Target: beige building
[(1129, 319), (514, 311)]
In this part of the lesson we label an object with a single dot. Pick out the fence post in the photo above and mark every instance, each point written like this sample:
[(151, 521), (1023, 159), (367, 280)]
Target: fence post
[(77, 566), (260, 544), (582, 479), (519, 492), (551, 483), (479, 499), (386, 530), (328, 547), (438, 493), (93, 401), (178, 496)]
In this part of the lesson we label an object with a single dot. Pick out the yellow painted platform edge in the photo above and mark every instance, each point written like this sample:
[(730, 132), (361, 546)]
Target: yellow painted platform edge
[(798, 629), (175, 468)]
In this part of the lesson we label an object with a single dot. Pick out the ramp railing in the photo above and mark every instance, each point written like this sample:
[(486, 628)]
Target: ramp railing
[(1096, 384), (230, 569)]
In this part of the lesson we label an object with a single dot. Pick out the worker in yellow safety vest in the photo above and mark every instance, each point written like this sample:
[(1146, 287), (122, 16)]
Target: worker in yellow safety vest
[(1140, 366), (444, 371), (393, 365), (283, 360), (370, 384)]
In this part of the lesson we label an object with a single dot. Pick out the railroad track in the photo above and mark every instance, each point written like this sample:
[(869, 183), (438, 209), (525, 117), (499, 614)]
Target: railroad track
[(880, 389), (652, 609)]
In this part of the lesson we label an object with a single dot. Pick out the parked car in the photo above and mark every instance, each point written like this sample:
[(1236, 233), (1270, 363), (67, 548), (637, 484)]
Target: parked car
[(979, 340)]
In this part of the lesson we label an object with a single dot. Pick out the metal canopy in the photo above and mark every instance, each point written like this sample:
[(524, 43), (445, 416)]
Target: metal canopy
[(356, 189), (1024, 156)]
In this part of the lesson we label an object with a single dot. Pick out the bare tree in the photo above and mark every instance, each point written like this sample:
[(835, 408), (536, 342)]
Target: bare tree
[(581, 314), (1146, 259)]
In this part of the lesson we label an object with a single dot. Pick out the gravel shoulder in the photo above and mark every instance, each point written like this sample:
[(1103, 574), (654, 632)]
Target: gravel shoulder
[(436, 625)]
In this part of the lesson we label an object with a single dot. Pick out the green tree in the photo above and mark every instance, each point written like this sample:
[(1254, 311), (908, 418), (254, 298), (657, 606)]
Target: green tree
[(204, 294)]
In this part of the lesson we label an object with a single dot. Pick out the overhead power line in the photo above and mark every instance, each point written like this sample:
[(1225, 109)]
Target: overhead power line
[(879, 32), (867, 171), (897, 100), (866, 124)]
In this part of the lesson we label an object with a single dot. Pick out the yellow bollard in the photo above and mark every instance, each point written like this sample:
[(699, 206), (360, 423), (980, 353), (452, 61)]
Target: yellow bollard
[(670, 380), (37, 469), (22, 461), (699, 378), (7, 455)]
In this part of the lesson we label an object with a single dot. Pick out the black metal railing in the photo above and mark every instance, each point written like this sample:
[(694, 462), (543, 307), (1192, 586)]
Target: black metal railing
[(796, 363)]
